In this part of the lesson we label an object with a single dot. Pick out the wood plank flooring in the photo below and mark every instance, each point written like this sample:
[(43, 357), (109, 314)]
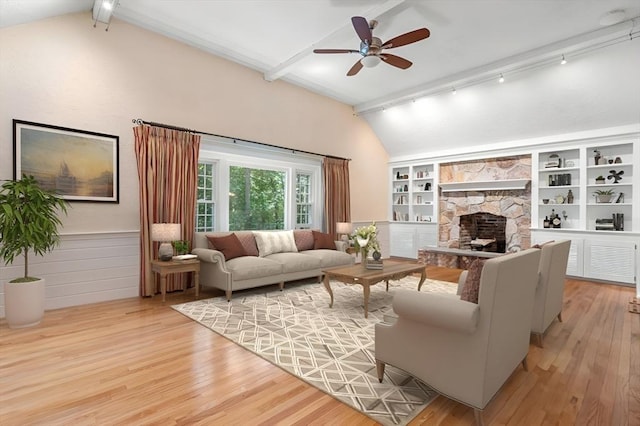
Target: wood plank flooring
[(136, 361)]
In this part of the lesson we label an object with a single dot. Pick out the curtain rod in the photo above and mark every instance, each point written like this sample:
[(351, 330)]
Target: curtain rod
[(184, 129)]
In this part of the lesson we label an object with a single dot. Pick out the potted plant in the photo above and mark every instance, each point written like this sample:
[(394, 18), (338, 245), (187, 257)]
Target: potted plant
[(603, 195), (28, 221), (181, 246), (600, 180)]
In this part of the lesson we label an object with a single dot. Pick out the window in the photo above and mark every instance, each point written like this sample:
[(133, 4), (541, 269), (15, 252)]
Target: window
[(205, 208), (246, 187), (304, 207), (256, 198)]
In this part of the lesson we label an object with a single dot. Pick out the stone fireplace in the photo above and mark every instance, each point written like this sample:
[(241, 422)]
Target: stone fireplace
[(488, 213)]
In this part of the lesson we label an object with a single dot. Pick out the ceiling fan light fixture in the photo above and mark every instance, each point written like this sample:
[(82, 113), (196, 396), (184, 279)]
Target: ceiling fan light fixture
[(501, 79), (563, 61), (370, 61), (454, 91)]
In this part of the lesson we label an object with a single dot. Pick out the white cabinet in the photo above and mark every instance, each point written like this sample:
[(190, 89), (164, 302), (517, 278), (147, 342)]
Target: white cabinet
[(406, 238), (607, 256), (413, 197)]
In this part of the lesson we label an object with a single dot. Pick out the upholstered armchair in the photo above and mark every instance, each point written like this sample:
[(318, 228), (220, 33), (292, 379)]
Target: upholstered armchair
[(463, 350), (549, 294)]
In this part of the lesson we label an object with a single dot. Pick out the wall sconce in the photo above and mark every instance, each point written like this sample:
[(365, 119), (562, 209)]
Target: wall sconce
[(343, 229), (165, 233)]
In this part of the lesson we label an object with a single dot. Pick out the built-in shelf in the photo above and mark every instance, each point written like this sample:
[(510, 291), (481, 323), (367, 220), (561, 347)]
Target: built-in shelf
[(492, 185)]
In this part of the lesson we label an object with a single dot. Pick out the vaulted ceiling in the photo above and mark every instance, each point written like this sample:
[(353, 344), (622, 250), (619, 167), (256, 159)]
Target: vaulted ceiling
[(471, 43)]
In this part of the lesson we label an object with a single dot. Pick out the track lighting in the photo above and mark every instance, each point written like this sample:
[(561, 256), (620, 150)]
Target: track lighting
[(501, 79), (563, 61)]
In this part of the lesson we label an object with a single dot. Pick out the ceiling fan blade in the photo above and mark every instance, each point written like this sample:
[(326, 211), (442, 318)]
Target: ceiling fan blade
[(362, 28), (407, 38), (355, 69), (396, 61), (335, 51)]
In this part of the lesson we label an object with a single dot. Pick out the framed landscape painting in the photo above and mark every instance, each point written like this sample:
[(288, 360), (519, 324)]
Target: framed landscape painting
[(77, 164)]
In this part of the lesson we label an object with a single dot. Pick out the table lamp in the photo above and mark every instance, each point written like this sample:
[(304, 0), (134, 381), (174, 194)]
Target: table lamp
[(343, 229), (165, 233)]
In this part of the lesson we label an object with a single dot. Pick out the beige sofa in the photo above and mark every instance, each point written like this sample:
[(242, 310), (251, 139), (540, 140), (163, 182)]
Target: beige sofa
[(256, 270)]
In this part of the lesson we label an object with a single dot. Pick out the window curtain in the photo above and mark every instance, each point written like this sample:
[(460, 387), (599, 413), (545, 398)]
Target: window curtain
[(337, 195), (167, 174)]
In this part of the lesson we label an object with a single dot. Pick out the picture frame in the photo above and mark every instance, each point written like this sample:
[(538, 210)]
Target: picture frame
[(78, 165)]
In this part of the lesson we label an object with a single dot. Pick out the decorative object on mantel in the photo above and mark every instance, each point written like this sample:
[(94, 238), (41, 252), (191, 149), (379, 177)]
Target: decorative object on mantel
[(603, 195), (600, 180), (597, 157), (618, 160), (616, 176), (570, 197)]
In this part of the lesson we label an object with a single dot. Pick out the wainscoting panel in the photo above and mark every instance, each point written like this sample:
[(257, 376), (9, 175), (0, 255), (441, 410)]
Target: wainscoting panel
[(85, 268)]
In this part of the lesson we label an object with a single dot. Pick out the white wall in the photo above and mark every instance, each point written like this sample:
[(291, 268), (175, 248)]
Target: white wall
[(62, 71), (600, 89)]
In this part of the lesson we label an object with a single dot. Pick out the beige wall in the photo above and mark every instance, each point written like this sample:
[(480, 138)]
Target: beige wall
[(64, 72)]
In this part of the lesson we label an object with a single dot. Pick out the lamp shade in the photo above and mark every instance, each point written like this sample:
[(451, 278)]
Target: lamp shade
[(343, 228), (165, 232)]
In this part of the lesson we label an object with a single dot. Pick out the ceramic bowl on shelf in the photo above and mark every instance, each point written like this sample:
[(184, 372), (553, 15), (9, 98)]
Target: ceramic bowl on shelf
[(545, 200)]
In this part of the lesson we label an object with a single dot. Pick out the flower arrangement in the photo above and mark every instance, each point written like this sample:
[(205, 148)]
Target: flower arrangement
[(365, 238)]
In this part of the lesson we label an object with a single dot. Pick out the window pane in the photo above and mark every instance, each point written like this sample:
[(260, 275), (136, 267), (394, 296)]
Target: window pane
[(205, 208), (256, 198)]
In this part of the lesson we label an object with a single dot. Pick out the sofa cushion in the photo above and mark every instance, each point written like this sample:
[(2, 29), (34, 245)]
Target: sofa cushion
[(323, 241), (248, 241), (295, 262), (250, 267), (229, 245), (539, 246), (329, 258), (270, 242), (471, 288), (304, 239)]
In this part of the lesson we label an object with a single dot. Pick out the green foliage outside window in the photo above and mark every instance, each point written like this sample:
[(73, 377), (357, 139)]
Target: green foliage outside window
[(256, 199)]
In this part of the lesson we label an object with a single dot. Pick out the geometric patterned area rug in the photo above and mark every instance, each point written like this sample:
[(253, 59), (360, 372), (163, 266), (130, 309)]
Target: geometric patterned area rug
[(329, 348)]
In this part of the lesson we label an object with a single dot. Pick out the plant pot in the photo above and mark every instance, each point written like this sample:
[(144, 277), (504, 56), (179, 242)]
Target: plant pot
[(24, 303), (603, 198), (599, 181)]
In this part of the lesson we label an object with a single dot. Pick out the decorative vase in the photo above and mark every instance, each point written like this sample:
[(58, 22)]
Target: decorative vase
[(605, 198)]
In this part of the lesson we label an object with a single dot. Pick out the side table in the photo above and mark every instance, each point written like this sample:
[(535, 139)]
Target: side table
[(173, 267)]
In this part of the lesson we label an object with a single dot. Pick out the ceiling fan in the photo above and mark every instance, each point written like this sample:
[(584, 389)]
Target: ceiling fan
[(371, 48)]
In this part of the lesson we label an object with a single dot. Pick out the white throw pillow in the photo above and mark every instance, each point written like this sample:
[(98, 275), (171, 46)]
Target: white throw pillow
[(275, 242)]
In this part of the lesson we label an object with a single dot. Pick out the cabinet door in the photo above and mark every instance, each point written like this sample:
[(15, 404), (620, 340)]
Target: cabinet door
[(574, 263), (403, 240), (610, 260)]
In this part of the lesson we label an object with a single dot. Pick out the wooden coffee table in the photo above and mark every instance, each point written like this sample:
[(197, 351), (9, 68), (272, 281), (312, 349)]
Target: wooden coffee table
[(358, 274)]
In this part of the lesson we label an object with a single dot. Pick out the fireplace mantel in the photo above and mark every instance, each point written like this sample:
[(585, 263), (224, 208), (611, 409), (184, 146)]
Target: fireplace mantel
[(492, 185)]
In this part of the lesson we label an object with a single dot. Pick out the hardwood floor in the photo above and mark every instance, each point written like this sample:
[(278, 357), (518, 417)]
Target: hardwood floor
[(137, 361)]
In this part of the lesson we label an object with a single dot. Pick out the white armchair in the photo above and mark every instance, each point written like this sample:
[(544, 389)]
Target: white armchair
[(465, 351), (548, 298)]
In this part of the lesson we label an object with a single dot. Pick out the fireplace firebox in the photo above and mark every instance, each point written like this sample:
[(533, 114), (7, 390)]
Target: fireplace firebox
[(483, 232)]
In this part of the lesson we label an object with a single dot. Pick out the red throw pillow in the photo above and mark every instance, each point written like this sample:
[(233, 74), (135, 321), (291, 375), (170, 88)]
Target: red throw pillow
[(323, 241), (304, 239), (471, 289), (229, 245)]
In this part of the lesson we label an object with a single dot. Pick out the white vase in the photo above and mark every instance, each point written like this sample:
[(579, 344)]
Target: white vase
[(24, 303)]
